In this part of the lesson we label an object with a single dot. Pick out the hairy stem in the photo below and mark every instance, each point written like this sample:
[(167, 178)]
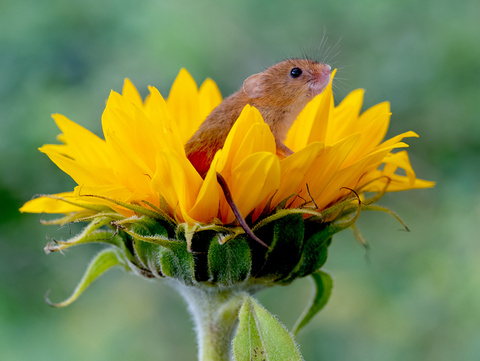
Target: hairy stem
[(215, 314)]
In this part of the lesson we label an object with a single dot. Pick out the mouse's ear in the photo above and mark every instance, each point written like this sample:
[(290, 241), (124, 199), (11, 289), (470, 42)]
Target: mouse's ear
[(252, 86)]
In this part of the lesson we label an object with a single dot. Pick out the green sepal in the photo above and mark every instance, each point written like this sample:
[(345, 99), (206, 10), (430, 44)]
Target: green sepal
[(371, 207), (318, 237), (152, 213), (153, 226), (229, 263), (284, 213), (79, 216), (187, 231), (285, 248), (339, 210), (283, 203), (360, 238), (90, 234), (147, 230), (146, 255), (260, 336), (201, 241), (177, 262), (156, 253), (323, 283), (314, 255), (346, 215), (162, 214), (190, 232), (103, 261)]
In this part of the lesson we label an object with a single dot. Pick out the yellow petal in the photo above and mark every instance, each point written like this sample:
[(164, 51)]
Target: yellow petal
[(237, 135), (324, 169), (51, 205), (177, 181), (343, 123), (166, 130), (128, 130), (209, 98), (183, 102), (346, 119), (393, 141), (376, 181), (370, 137), (80, 173), (398, 160), (131, 93), (293, 171), (259, 138), (117, 192), (348, 177), (129, 136), (379, 111), (80, 144), (206, 205), (251, 181)]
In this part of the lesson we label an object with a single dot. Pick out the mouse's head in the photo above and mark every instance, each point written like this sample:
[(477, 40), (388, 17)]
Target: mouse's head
[(290, 81)]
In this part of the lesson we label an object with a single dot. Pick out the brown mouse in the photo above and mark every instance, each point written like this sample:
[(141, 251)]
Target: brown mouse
[(279, 93)]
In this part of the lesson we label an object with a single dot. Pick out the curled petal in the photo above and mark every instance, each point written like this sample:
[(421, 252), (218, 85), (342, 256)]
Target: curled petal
[(389, 180)]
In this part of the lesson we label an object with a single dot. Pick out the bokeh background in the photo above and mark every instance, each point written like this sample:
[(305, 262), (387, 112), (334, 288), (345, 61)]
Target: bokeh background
[(414, 296)]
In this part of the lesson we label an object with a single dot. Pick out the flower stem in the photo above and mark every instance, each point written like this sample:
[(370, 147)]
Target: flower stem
[(215, 313)]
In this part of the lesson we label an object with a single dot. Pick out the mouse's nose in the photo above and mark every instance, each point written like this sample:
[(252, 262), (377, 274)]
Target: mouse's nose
[(326, 69)]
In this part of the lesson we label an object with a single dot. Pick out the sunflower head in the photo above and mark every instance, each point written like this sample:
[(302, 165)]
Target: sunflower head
[(141, 195)]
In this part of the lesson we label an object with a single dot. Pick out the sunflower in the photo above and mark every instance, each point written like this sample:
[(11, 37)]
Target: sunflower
[(142, 196), (141, 160)]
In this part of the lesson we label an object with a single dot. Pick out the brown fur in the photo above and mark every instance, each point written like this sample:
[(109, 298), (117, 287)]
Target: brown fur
[(275, 93)]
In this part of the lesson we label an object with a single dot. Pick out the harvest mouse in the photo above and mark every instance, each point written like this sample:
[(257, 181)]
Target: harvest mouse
[(279, 93)]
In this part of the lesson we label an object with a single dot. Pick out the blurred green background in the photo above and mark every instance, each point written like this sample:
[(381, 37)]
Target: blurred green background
[(418, 295)]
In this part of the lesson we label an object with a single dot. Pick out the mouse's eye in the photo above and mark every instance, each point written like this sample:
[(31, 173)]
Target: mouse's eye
[(295, 72)]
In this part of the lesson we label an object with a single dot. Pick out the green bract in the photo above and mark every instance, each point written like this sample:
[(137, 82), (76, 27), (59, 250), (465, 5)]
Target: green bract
[(153, 245)]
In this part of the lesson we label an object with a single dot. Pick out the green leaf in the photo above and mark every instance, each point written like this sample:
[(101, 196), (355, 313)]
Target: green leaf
[(323, 283), (102, 262), (261, 337)]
